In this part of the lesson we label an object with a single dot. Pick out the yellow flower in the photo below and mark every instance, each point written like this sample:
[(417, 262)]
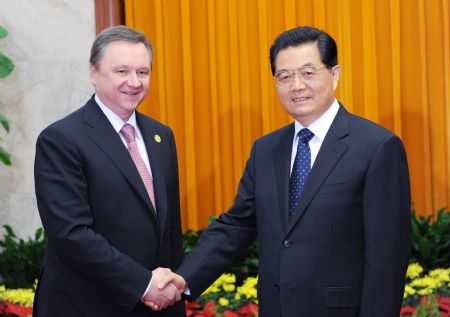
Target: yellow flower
[(425, 282), (223, 301), (248, 289), (414, 270), (212, 289), (229, 288), (409, 291), (441, 275), (228, 279), (224, 279), (425, 291), (20, 296)]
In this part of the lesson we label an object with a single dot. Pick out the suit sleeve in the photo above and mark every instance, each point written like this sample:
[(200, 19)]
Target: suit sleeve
[(224, 240), (387, 233), (62, 198), (176, 240)]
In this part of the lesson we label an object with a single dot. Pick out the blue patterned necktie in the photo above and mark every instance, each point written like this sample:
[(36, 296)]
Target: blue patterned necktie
[(300, 169)]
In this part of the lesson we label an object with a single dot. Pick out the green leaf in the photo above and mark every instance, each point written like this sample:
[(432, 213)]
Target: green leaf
[(5, 158), (6, 66), (431, 239), (9, 231), (20, 260), (39, 234), (4, 122), (3, 32)]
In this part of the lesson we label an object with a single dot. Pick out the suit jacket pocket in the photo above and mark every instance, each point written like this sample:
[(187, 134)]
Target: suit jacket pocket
[(336, 188), (343, 296)]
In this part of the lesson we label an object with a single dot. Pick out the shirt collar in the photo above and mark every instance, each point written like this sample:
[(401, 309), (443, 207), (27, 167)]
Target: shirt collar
[(117, 121), (321, 126)]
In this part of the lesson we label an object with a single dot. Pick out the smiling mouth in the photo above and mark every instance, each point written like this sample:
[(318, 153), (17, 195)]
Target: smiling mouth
[(300, 99), (130, 93)]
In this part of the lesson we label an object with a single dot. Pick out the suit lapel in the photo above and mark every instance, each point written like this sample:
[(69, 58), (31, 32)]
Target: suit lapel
[(282, 159), (329, 154), (149, 133), (104, 135)]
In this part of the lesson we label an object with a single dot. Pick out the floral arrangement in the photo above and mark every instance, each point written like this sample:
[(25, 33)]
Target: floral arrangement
[(426, 294), (427, 289), (224, 298), (16, 302)]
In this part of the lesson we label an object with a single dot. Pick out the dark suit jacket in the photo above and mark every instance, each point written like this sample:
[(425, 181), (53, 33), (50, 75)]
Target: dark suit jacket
[(104, 238), (346, 250)]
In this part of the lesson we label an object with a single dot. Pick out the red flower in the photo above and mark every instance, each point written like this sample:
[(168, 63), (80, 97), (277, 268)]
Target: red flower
[(230, 313), (14, 309), (191, 308), (407, 311), (209, 310), (249, 310), (444, 305)]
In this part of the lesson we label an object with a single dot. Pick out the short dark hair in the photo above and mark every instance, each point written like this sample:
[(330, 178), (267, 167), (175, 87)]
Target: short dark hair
[(115, 34), (301, 35)]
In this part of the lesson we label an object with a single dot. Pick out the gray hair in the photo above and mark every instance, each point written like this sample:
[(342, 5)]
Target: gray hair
[(115, 34)]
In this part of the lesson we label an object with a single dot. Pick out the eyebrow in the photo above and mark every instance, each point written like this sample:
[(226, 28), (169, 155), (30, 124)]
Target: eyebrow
[(128, 66), (304, 65)]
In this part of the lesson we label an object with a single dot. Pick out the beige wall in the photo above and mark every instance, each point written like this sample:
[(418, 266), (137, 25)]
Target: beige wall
[(49, 42)]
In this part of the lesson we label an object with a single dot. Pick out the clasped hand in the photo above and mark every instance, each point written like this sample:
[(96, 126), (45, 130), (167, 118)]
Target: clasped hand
[(165, 290)]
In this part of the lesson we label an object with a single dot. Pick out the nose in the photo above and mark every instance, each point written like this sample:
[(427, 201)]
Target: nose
[(133, 80), (298, 82)]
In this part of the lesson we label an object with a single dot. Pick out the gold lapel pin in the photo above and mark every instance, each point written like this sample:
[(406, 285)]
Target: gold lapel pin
[(157, 138)]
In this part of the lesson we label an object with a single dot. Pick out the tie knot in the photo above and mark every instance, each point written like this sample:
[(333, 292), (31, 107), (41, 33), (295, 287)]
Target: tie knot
[(128, 132), (305, 135)]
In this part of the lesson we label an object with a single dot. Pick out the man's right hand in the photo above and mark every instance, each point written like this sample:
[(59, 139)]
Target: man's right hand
[(157, 297)]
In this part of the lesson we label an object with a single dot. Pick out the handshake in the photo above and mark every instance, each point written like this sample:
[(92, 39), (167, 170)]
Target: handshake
[(165, 289)]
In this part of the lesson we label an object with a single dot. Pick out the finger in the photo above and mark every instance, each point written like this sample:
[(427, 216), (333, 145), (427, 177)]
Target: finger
[(179, 282), (165, 270), (151, 305), (166, 280)]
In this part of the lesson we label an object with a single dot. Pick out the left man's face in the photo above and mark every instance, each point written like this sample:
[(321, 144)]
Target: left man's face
[(122, 78)]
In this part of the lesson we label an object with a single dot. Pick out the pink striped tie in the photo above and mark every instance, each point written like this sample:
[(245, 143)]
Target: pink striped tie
[(128, 133)]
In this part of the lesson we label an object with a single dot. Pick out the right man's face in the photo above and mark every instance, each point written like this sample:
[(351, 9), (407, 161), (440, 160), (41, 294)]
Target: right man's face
[(122, 78), (306, 100)]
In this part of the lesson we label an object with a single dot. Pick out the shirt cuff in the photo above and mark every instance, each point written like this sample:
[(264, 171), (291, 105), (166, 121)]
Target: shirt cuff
[(148, 287)]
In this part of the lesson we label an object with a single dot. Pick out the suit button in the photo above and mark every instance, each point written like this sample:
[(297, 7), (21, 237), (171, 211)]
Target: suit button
[(287, 243)]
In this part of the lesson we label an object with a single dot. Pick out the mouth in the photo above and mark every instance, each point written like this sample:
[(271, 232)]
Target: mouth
[(130, 93), (299, 99)]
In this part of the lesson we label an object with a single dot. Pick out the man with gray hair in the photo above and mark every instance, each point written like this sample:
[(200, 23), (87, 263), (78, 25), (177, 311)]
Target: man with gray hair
[(107, 190)]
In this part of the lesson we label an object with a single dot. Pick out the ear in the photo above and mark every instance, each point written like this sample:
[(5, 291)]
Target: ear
[(336, 73), (92, 73)]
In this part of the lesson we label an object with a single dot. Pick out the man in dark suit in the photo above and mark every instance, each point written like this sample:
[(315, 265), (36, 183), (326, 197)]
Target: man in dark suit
[(107, 190), (327, 197)]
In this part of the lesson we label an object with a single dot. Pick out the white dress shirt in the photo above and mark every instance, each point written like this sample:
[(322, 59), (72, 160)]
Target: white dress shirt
[(320, 128), (118, 123)]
